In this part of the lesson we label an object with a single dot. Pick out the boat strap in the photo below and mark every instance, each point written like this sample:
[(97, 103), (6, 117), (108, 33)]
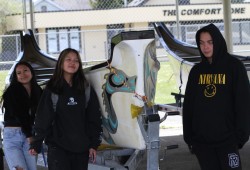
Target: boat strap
[(181, 82)]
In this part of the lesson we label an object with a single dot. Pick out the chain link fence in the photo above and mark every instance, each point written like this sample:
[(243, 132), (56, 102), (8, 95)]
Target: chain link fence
[(55, 38)]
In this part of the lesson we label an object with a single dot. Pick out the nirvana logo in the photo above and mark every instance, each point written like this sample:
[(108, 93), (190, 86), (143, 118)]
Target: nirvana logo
[(211, 80), (234, 160)]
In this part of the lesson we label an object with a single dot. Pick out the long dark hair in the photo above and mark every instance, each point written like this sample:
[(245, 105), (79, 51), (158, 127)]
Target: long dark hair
[(56, 82), (33, 82), (13, 77)]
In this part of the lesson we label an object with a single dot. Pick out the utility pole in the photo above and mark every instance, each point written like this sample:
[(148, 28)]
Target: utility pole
[(228, 24), (177, 18), (31, 16)]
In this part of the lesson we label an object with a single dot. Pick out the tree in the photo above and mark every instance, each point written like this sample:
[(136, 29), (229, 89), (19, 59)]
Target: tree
[(102, 4), (8, 7)]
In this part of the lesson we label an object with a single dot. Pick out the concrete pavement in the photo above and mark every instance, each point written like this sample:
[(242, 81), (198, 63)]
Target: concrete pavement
[(179, 158)]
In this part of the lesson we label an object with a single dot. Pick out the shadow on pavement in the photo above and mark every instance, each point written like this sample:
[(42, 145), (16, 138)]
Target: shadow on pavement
[(181, 159)]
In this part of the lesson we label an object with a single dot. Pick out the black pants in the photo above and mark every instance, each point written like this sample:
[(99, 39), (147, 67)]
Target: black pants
[(60, 159), (222, 158)]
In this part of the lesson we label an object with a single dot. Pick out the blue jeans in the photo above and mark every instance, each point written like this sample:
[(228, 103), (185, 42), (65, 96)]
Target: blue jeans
[(16, 149)]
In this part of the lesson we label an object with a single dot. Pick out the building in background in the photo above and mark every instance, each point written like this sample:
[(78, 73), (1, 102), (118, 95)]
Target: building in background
[(46, 5), (89, 27)]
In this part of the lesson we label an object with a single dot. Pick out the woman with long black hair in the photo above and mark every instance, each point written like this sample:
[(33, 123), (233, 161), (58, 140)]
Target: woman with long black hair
[(20, 101), (70, 126)]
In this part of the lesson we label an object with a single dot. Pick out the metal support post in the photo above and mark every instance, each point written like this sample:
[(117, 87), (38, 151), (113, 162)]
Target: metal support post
[(153, 143), (1, 151)]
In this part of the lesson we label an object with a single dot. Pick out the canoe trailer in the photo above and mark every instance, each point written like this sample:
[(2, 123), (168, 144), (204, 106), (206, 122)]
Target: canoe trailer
[(113, 159), (127, 53)]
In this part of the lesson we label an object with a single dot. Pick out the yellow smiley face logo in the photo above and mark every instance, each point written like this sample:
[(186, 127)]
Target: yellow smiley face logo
[(210, 90)]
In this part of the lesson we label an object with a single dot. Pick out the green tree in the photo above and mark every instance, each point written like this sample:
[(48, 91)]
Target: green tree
[(8, 7), (107, 4)]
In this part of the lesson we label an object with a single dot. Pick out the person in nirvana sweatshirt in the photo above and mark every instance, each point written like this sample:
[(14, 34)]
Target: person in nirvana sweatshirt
[(216, 108)]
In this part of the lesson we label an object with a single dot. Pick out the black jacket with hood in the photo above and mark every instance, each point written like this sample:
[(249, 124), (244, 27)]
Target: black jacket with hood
[(74, 126), (216, 109)]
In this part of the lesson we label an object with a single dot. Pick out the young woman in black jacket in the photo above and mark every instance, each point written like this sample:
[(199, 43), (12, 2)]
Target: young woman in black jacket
[(72, 130), (20, 101)]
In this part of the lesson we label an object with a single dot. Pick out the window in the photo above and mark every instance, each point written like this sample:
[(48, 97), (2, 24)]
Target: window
[(184, 2), (63, 39), (43, 8), (60, 38), (52, 41), (75, 39)]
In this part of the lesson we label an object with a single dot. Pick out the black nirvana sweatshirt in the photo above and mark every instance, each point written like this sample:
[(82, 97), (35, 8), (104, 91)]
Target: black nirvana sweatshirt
[(216, 109)]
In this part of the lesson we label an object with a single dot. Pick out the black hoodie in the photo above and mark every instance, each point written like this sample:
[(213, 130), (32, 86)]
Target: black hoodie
[(73, 126), (216, 109)]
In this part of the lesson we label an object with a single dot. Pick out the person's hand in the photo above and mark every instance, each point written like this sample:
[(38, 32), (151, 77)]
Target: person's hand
[(92, 155), (32, 152)]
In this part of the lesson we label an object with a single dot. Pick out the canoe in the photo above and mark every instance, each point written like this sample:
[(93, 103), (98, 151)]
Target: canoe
[(183, 56), (125, 83)]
